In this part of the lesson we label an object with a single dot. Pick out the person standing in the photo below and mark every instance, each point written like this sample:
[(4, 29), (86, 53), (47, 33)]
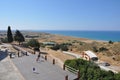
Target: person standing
[(26, 54)]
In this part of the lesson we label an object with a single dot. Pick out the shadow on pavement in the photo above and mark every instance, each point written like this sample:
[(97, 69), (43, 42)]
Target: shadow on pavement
[(36, 72), (3, 55)]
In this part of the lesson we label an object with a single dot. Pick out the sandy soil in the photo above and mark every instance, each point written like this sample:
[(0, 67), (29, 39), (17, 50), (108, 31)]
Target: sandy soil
[(60, 55), (44, 37)]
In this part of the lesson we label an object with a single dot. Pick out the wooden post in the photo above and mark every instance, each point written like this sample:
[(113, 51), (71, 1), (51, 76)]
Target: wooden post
[(78, 75), (45, 57), (18, 54), (10, 55), (66, 77), (63, 66), (53, 61), (34, 52), (26, 53)]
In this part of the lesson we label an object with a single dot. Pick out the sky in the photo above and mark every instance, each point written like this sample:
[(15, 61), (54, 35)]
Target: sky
[(60, 14)]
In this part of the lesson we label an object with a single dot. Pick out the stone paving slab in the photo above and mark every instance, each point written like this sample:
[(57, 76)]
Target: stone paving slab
[(8, 71), (44, 69)]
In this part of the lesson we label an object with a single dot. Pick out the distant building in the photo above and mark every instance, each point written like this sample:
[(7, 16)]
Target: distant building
[(49, 43), (31, 36), (89, 55)]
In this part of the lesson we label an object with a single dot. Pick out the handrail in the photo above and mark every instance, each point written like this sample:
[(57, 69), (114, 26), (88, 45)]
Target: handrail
[(75, 71)]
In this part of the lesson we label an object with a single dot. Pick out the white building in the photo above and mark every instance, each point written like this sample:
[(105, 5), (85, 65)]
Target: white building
[(89, 55)]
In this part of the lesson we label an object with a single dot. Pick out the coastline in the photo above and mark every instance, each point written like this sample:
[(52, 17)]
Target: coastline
[(92, 35), (79, 45), (53, 36), (87, 35)]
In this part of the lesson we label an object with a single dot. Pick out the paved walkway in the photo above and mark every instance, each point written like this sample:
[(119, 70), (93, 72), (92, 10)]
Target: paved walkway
[(45, 70), (8, 71)]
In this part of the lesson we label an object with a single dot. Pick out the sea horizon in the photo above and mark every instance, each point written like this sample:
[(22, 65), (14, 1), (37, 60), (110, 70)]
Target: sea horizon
[(88, 34)]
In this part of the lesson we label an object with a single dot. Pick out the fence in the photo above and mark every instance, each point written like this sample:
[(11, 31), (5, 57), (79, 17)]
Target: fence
[(70, 69), (56, 61)]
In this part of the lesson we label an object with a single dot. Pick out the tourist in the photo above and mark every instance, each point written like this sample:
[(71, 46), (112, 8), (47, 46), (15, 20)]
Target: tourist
[(38, 57), (26, 53)]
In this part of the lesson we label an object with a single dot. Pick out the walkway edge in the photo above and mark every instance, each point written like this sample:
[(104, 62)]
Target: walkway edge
[(16, 69)]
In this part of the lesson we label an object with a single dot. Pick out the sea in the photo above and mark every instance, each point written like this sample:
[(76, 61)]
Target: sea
[(94, 35)]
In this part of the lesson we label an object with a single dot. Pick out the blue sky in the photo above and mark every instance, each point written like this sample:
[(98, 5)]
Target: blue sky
[(60, 14)]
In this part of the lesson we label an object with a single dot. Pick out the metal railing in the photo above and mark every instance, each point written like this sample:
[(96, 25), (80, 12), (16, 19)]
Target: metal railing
[(73, 70)]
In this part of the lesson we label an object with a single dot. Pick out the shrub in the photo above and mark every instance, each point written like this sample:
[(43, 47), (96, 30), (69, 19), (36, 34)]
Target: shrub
[(64, 48), (33, 43), (4, 40), (95, 49), (25, 45), (103, 49), (36, 49), (110, 42), (67, 44), (42, 45), (90, 71), (56, 47)]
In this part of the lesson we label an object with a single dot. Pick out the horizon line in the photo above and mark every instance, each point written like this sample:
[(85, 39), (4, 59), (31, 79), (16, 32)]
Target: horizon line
[(55, 30)]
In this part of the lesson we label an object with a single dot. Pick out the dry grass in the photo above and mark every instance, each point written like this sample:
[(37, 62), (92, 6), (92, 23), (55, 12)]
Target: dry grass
[(81, 44), (60, 55)]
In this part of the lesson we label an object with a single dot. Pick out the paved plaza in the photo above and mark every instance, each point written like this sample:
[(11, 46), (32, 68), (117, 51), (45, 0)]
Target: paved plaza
[(8, 70), (45, 70), (21, 68)]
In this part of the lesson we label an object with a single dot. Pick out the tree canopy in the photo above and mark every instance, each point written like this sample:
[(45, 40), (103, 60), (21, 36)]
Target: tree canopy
[(9, 35), (33, 43), (19, 37), (63, 47), (90, 70)]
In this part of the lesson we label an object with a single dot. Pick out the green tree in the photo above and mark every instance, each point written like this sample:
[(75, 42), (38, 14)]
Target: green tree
[(34, 43), (110, 42), (56, 47), (19, 37), (91, 71), (63, 47), (117, 76), (9, 35)]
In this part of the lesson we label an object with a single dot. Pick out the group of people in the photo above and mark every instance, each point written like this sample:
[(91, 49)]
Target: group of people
[(22, 53)]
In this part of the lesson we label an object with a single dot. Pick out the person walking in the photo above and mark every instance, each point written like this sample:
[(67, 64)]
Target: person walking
[(38, 57)]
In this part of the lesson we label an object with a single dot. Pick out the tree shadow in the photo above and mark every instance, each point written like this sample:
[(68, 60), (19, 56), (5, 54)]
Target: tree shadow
[(43, 52), (3, 54)]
